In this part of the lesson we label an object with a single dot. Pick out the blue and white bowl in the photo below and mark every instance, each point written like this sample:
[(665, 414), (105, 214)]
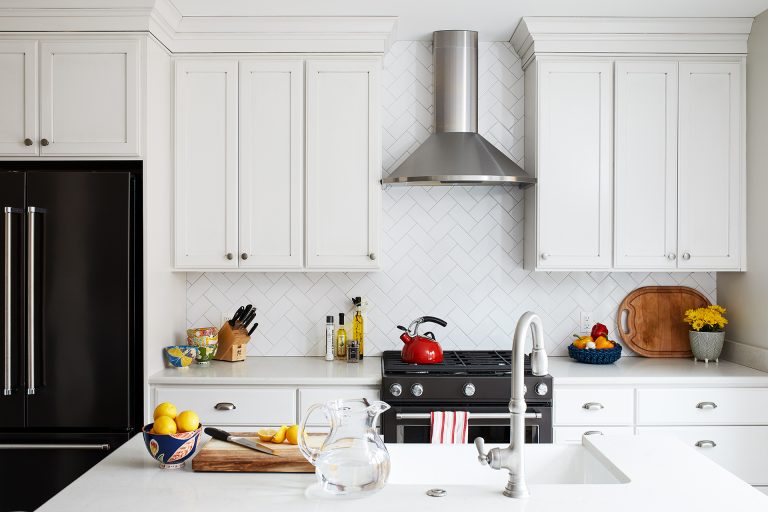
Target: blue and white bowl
[(180, 356), (171, 450)]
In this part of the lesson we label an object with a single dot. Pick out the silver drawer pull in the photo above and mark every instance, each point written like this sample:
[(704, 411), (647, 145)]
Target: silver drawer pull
[(706, 443), (593, 433), (593, 406), (225, 406), (706, 405)]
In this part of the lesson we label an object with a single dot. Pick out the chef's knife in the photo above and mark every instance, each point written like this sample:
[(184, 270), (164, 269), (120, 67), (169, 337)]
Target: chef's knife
[(236, 316), (246, 312), (248, 319), (253, 328), (223, 435)]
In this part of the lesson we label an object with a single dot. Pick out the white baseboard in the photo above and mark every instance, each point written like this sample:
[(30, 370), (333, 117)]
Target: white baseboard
[(746, 355)]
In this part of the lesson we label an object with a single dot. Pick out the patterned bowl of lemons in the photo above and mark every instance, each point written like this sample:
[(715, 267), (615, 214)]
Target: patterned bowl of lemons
[(180, 356), (205, 353), (171, 450)]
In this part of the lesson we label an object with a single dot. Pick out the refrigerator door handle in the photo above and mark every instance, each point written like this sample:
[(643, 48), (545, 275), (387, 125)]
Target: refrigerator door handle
[(31, 300), (8, 267), (53, 446)]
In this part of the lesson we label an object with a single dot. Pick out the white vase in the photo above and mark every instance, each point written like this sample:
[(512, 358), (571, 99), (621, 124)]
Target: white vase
[(706, 345)]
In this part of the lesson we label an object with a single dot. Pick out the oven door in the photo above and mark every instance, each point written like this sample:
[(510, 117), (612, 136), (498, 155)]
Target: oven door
[(411, 423)]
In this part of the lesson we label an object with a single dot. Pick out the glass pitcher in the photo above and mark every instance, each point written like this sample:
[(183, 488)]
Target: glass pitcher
[(352, 460)]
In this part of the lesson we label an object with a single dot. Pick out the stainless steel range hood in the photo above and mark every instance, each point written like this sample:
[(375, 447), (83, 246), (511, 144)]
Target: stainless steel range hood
[(456, 154)]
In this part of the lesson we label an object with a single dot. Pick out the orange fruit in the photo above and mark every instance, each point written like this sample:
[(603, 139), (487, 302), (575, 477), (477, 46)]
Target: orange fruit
[(603, 342), (582, 342)]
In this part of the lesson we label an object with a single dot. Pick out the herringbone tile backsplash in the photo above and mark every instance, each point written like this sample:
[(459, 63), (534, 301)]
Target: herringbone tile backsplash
[(452, 252)]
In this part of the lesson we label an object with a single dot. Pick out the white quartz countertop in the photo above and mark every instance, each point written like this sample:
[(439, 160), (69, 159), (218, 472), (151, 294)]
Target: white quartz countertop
[(644, 370), (565, 371), (276, 371), (664, 475)]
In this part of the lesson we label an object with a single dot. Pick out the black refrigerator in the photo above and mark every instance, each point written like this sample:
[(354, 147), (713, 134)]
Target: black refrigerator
[(71, 322)]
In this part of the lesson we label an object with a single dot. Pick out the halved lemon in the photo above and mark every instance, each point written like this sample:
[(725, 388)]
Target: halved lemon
[(279, 437), (266, 434)]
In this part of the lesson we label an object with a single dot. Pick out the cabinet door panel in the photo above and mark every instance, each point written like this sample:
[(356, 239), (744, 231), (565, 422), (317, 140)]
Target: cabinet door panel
[(271, 159), (710, 165), (206, 164), (575, 116), (343, 164), (18, 98), (89, 97), (646, 165)]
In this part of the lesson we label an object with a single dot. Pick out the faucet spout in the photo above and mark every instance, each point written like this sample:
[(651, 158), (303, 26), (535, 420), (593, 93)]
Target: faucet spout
[(511, 458)]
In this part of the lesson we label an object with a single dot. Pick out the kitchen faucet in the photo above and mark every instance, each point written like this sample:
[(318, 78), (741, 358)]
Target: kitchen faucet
[(511, 457)]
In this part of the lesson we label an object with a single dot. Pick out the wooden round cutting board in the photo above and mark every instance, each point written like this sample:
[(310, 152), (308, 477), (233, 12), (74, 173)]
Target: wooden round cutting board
[(650, 320)]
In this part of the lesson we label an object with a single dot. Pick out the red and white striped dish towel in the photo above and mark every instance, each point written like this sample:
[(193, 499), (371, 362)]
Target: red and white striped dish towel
[(449, 427)]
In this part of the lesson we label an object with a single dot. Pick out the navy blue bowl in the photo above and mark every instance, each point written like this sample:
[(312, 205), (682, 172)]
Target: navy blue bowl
[(595, 356), (171, 450)]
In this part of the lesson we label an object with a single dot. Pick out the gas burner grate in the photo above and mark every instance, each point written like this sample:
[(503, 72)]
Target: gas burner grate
[(456, 362)]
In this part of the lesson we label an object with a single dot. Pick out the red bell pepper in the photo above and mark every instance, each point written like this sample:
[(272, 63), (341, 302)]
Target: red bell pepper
[(599, 330)]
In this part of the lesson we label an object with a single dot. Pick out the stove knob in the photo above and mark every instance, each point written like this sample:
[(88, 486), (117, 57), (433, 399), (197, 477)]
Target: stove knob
[(417, 389), (541, 389), (395, 390), (469, 389)]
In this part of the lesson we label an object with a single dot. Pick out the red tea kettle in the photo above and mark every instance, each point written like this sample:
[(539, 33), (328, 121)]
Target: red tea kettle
[(421, 349)]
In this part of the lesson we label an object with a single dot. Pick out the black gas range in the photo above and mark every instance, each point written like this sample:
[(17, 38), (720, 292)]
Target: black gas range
[(477, 381)]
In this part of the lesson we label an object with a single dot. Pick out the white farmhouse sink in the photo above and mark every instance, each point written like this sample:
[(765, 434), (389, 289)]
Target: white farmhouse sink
[(545, 464)]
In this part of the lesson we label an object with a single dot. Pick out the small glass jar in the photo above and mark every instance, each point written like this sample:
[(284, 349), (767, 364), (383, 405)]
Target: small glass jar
[(353, 351)]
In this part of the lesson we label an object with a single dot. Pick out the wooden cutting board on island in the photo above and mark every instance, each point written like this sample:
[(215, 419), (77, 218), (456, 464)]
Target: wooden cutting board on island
[(654, 324), (222, 456)]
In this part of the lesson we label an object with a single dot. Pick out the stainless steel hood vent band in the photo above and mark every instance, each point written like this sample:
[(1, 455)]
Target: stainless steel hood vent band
[(456, 154)]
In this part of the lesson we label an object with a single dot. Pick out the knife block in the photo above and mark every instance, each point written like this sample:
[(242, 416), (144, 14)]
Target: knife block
[(232, 342)]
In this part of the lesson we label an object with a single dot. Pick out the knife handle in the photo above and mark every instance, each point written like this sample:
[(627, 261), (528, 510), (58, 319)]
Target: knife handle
[(221, 435)]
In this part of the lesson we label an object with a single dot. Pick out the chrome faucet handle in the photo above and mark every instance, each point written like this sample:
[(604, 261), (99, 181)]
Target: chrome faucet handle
[(482, 457)]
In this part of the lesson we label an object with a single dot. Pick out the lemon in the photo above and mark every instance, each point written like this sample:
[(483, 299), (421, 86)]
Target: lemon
[(164, 425), (280, 436), (292, 434), (187, 421), (165, 409), (266, 434)]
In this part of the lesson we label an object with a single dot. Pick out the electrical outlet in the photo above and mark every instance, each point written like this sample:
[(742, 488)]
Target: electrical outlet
[(585, 322)]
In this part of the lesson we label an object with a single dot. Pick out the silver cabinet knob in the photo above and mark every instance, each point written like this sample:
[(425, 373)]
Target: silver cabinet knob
[(230, 255), (545, 255), (671, 256), (686, 256), (593, 406), (468, 389), (27, 142), (592, 433), (44, 142), (372, 256), (417, 389), (706, 443), (225, 406), (706, 405), (244, 256), (541, 388), (395, 389)]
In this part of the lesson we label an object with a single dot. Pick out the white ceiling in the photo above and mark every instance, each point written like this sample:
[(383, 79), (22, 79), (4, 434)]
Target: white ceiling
[(494, 19)]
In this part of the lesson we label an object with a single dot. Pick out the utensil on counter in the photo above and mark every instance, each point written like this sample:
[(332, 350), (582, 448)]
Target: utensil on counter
[(420, 349), (223, 435), (654, 324)]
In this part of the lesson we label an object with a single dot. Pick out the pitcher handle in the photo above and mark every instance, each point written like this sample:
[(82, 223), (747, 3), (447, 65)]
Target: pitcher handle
[(307, 451)]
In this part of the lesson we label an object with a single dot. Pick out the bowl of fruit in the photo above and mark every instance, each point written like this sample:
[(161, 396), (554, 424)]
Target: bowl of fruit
[(172, 438), (595, 348)]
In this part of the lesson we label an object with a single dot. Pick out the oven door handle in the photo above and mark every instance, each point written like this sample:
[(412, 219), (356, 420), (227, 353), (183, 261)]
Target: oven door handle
[(472, 416)]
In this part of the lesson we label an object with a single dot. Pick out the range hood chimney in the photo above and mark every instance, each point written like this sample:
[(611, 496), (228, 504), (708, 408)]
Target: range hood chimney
[(456, 154)]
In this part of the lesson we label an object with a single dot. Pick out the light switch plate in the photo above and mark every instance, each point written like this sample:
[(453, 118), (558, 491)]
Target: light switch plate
[(585, 322)]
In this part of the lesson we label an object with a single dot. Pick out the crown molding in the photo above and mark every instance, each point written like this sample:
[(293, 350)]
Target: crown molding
[(193, 34), (580, 35)]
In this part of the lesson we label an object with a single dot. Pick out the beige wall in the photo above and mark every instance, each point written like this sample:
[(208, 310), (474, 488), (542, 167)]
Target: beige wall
[(746, 294)]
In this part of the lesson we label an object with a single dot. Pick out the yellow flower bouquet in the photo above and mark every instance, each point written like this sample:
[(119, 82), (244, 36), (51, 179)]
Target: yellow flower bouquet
[(709, 319)]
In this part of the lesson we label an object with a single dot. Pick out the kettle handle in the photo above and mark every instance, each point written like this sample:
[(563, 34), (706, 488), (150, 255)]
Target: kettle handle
[(307, 451), (434, 320)]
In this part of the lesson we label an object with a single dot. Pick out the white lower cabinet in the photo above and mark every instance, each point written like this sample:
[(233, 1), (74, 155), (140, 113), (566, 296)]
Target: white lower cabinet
[(593, 406), (311, 396), (741, 450)]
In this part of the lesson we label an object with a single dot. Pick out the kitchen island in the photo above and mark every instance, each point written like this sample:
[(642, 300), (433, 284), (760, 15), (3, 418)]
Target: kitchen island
[(658, 474)]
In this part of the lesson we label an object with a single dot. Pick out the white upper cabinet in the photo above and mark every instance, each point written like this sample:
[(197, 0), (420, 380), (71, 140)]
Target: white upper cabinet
[(206, 164), (645, 165), (271, 164), (18, 98), (710, 165), (573, 164), (89, 97), (343, 164)]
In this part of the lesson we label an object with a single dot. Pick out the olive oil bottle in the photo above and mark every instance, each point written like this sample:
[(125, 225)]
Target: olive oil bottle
[(358, 330), (341, 339)]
